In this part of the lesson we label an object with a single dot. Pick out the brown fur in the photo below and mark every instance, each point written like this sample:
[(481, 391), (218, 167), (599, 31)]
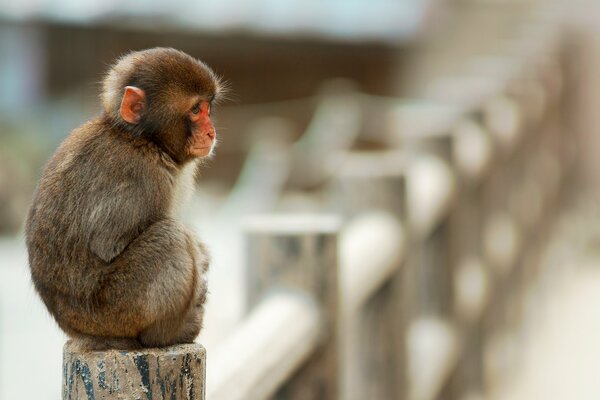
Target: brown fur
[(112, 265)]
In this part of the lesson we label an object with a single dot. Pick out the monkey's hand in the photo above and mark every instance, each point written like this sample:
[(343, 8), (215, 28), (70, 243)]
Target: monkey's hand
[(199, 253), (202, 260), (193, 321)]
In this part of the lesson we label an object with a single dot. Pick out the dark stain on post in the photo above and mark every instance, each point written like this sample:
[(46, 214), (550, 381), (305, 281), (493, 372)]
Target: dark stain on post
[(65, 377), (173, 390), (115, 378), (160, 380), (69, 381), (141, 362), (186, 372), (83, 370), (126, 374), (102, 374)]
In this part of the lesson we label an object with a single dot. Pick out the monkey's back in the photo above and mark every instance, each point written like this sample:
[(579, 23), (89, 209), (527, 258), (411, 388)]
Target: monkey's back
[(86, 209)]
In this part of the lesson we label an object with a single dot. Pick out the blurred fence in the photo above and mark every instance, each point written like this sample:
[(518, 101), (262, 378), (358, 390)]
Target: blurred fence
[(445, 222), (414, 288)]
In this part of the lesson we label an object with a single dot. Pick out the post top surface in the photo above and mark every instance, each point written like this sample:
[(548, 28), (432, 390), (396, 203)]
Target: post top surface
[(171, 351)]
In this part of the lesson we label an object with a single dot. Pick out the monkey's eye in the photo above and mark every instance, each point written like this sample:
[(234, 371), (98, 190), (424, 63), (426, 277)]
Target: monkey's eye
[(196, 109)]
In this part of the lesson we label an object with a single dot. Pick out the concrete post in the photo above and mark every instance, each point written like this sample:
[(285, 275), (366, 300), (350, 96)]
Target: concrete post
[(173, 373), (300, 252), (374, 344)]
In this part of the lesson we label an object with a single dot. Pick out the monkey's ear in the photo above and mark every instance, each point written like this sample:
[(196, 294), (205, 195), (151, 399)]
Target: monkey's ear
[(132, 105)]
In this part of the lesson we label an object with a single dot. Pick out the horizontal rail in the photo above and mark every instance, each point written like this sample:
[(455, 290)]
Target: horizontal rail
[(363, 269), (266, 349), (431, 189), (472, 150), (504, 119), (472, 282), (502, 242), (434, 351)]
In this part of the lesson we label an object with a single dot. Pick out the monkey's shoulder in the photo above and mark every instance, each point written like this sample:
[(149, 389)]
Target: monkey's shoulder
[(93, 172), (94, 152), (101, 142)]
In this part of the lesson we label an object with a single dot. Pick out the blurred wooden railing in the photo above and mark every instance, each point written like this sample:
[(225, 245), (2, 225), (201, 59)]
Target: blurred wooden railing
[(438, 244), (409, 282)]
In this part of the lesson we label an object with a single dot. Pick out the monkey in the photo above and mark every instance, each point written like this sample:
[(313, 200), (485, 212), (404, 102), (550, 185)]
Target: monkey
[(108, 255)]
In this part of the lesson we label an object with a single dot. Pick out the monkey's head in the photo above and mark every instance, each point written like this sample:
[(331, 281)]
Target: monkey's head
[(165, 96)]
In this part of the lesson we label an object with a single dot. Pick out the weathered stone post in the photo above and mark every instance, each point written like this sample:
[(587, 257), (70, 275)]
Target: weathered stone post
[(171, 373)]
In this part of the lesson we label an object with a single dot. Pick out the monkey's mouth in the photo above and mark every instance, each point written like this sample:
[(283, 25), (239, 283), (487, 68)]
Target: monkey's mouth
[(201, 151)]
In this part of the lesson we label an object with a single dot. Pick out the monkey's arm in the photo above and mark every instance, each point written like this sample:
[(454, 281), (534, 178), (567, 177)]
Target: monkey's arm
[(124, 199), (152, 291), (115, 221)]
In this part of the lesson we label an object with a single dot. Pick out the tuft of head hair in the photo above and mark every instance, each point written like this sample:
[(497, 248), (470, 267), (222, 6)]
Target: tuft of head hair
[(160, 71)]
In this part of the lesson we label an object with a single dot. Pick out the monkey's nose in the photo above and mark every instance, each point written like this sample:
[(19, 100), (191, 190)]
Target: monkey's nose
[(211, 134)]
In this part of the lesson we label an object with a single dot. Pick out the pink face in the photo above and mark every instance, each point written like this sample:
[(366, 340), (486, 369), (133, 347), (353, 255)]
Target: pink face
[(203, 132)]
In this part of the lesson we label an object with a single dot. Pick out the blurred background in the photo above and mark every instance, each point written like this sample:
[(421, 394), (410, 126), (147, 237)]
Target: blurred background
[(313, 84)]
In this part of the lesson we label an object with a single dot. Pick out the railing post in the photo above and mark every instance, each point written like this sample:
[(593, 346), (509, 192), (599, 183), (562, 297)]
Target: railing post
[(432, 259), (300, 251), (502, 237), (172, 373), (472, 155), (423, 129), (374, 344), (431, 267), (486, 240), (482, 190)]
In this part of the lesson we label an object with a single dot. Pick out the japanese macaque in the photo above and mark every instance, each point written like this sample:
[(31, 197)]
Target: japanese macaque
[(108, 257)]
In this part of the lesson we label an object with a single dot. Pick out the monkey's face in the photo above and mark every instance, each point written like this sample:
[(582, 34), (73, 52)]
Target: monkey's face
[(179, 122), (202, 135)]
